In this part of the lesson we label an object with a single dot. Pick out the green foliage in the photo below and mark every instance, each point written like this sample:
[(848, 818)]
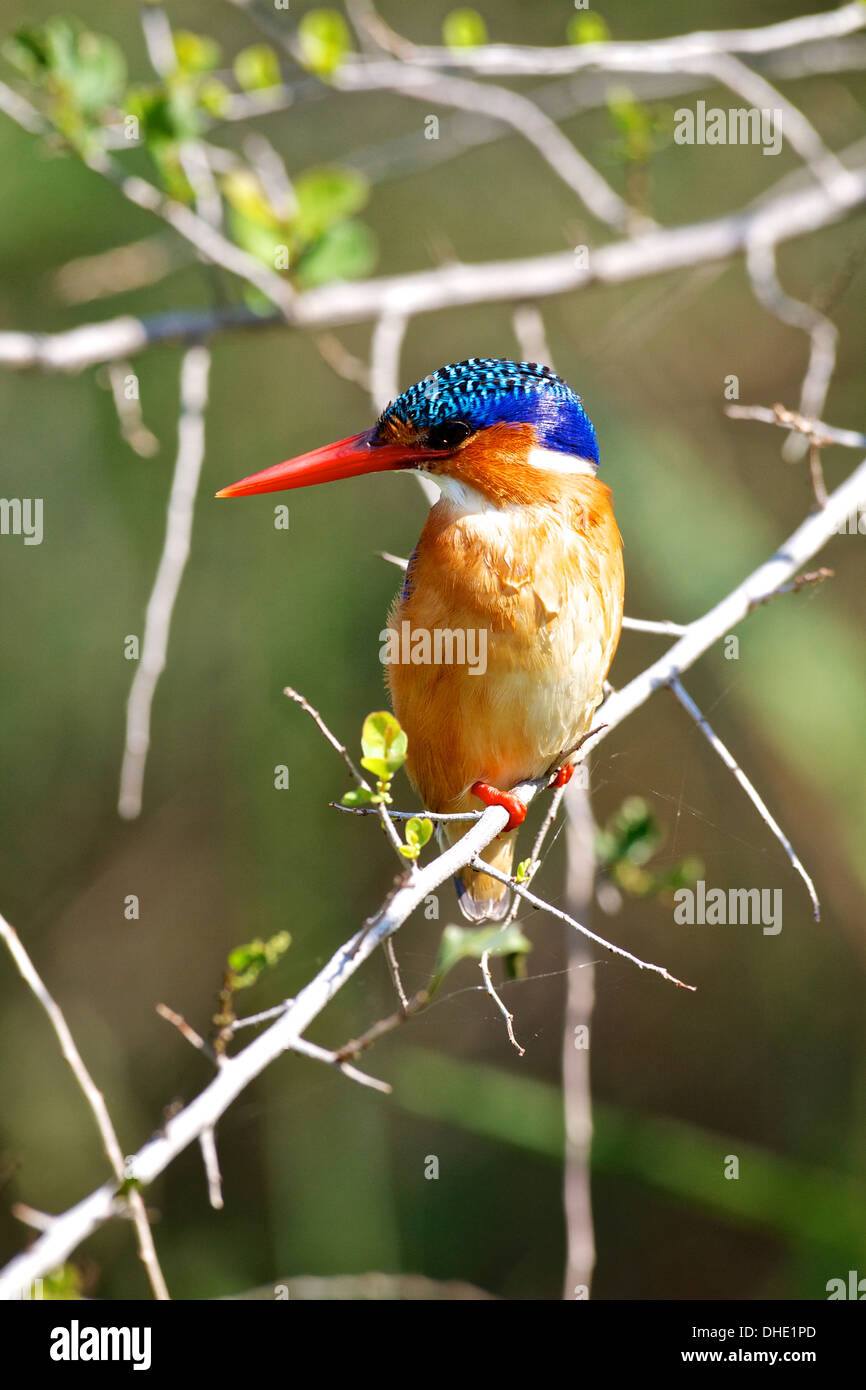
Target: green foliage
[(246, 963), (62, 1285), (464, 29), (324, 41), (641, 129), (323, 241), (628, 842), (327, 196), (345, 252), (257, 68), (195, 53), (587, 27), (384, 744), (81, 75), (470, 943), (418, 832)]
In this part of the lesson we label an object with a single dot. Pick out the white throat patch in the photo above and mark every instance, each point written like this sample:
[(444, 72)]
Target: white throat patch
[(552, 461)]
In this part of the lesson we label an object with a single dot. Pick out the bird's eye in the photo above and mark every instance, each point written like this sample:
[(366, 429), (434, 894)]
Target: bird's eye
[(447, 435)]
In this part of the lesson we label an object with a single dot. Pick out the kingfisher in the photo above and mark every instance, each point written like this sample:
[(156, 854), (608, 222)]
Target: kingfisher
[(520, 557)]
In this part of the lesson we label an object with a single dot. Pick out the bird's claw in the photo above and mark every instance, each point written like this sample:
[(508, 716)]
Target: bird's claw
[(563, 776), (491, 796)]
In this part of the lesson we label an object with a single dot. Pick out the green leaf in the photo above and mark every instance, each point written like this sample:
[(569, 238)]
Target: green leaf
[(345, 252), (213, 96), (470, 943), (383, 740), (166, 116), (634, 122), (378, 766), (243, 191), (358, 796), (324, 40), (84, 72), (247, 962), (63, 1284), (587, 27), (196, 53), (464, 29), (632, 833), (325, 196), (418, 831), (257, 67)]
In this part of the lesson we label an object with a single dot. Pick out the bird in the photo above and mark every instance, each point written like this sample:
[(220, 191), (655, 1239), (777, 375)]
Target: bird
[(519, 562)]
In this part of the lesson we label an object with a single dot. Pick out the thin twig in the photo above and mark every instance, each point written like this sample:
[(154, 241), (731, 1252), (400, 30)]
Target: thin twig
[(407, 815), (509, 1017), (815, 430), (381, 809), (210, 1158), (190, 455), (96, 1101), (396, 979), (823, 334), (531, 898), (663, 628), (355, 772), (186, 1030), (129, 416), (757, 801), (321, 1054)]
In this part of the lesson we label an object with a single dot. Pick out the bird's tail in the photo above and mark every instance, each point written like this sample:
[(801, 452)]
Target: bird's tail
[(482, 898)]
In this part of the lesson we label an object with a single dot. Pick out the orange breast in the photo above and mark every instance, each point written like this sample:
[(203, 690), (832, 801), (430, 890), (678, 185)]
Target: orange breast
[(531, 597)]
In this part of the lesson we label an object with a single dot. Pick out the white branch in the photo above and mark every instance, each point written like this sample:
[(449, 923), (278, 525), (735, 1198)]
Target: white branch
[(823, 334), (815, 430), (513, 109), (771, 221), (760, 805), (190, 454), (676, 54), (99, 1109)]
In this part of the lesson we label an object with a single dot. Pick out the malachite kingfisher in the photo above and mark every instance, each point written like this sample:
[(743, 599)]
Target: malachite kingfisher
[(520, 560)]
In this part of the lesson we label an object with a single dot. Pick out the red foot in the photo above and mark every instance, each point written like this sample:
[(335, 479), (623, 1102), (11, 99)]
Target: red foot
[(491, 796), (563, 776)]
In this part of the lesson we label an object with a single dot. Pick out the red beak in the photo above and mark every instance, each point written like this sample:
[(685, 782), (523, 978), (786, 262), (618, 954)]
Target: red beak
[(348, 458)]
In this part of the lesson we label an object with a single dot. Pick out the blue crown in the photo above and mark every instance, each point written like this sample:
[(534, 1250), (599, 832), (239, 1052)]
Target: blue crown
[(486, 391)]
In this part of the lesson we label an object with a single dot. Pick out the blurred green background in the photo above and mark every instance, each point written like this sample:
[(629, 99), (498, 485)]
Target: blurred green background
[(765, 1060)]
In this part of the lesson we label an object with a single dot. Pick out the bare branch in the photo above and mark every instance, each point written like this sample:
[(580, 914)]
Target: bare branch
[(761, 264), (534, 901), (506, 1014), (649, 55), (760, 805), (515, 110), (381, 809), (772, 220), (190, 454), (814, 430), (321, 1054), (129, 415), (210, 1158), (96, 1101)]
